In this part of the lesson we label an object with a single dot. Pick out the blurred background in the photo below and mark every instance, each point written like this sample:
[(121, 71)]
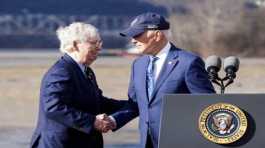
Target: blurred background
[(28, 47)]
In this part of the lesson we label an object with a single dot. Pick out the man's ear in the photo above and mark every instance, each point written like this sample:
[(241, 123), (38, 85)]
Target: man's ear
[(158, 35), (75, 47)]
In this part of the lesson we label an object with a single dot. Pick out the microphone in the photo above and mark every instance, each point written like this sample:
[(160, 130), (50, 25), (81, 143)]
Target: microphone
[(213, 65), (231, 66)]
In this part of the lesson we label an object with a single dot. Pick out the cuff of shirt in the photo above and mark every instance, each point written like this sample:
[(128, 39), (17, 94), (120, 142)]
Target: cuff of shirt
[(113, 120)]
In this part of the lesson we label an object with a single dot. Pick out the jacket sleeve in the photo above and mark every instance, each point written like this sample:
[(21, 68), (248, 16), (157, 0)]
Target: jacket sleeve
[(109, 105), (56, 96), (130, 109), (197, 78)]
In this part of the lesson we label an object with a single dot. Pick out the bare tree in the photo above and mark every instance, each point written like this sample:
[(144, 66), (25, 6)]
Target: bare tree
[(247, 38), (205, 19), (214, 17), (221, 27)]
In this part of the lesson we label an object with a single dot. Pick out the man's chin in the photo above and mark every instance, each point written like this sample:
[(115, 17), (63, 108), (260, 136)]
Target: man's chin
[(90, 62), (141, 51), (146, 52)]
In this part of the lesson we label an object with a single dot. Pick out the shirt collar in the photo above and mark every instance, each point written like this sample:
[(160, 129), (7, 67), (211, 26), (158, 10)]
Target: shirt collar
[(81, 66), (163, 53)]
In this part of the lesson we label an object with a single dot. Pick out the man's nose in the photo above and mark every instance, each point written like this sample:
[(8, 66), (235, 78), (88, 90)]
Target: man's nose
[(99, 45), (97, 49)]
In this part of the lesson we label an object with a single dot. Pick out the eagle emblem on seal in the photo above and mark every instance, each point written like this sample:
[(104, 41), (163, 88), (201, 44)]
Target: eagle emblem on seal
[(223, 123)]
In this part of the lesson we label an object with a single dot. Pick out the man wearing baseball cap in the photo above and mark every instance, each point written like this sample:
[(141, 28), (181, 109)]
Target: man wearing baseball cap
[(162, 69)]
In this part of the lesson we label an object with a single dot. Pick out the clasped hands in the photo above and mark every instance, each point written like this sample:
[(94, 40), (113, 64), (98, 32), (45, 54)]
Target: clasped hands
[(104, 123)]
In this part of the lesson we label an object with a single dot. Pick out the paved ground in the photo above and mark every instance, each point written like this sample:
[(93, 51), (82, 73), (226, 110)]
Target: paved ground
[(20, 75), (21, 72)]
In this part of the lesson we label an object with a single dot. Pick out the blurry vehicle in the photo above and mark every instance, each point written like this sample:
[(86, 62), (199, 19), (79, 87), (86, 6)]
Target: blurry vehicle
[(131, 49)]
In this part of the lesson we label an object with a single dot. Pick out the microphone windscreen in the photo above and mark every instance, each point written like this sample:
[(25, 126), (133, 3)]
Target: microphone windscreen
[(232, 62), (213, 61)]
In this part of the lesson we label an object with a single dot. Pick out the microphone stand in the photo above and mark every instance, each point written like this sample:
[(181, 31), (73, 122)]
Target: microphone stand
[(221, 81)]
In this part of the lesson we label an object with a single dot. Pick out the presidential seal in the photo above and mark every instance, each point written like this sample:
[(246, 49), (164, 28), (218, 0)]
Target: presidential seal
[(222, 123)]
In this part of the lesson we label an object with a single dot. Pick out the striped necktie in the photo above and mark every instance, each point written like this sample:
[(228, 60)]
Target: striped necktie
[(91, 76), (150, 76), (89, 73)]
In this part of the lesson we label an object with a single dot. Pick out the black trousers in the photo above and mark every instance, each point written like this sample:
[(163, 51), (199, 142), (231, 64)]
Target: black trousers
[(149, 143)]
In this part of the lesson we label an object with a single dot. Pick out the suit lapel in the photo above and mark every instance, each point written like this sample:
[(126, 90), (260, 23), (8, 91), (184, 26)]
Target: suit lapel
[(170, 62), (75, 68), (141, 69)]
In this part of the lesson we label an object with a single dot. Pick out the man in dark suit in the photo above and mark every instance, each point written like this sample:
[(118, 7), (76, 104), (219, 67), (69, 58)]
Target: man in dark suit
[(71, 104), (162, 69)]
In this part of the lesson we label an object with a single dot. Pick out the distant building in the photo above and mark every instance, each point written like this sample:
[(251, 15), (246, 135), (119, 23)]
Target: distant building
[(32, 24)]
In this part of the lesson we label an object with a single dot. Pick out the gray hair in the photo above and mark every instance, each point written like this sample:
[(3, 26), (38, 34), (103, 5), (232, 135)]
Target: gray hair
[(76, 31)]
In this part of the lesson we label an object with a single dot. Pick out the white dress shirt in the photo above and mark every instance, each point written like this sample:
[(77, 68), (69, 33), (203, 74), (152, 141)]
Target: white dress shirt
[(162, 55), (81, 66)]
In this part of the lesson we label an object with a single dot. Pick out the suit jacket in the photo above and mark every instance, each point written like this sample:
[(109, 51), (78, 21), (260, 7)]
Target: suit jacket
[(182, 72), (68, 105)]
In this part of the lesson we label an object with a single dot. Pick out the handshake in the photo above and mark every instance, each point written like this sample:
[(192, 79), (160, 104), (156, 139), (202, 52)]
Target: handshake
[(104, 123)]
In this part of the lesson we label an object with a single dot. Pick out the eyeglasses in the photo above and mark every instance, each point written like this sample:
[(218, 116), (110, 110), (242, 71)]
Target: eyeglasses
[(95, 43)]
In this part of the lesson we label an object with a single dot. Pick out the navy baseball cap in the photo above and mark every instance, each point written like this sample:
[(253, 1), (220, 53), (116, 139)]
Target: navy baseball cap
[(145, 21)]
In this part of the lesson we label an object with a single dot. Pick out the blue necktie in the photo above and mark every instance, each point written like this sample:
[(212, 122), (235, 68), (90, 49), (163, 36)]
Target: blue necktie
[(150, 76)]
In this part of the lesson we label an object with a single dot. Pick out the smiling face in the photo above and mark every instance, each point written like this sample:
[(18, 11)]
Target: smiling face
[(150, 42), (87, 51), (147, 42), (81, 41)]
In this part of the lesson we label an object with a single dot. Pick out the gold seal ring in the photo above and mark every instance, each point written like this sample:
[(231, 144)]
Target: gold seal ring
[(223, 123)]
